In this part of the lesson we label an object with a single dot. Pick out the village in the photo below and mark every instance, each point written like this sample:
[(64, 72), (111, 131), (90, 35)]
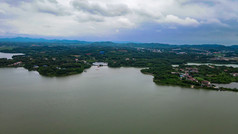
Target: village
[(187, 74), (197, 78)]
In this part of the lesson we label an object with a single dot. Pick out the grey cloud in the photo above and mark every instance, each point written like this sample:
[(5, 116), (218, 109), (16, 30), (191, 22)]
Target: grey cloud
[(90, 19), (53, 1), (109, 10), (5, 28), (51, 11), (51, 7), (45, 6), (103, 17), (15, 2)]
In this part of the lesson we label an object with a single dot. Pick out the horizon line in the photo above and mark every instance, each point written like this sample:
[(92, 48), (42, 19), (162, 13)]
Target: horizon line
[(97, 41)]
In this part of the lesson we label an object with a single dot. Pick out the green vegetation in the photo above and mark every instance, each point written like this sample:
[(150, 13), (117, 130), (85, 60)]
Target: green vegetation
[(194, 76), (6, 48), (63, 59), (62, 70)]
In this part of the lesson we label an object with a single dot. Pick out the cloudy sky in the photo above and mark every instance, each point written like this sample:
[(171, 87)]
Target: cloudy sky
[(164, 21)]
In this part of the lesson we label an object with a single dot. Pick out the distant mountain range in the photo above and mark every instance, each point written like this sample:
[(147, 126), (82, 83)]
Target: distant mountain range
[(25, 39), (41, 40)]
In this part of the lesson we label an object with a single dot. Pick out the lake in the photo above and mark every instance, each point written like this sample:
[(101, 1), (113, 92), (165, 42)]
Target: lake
[(198, 64), (9, 55), (110, 101), (231, 85)]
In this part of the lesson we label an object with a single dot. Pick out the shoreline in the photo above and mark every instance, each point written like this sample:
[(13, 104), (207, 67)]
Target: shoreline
[(145, 73)]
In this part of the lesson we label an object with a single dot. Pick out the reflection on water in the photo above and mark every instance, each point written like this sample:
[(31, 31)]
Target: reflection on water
[(110, 101)]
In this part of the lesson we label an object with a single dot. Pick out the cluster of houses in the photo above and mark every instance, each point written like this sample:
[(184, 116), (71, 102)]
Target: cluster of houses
[(16, 64), (221, 59), (181, 53), (155, 50), (127, 59), (185, 74), (149, 49), (36, 66), (234, 74)]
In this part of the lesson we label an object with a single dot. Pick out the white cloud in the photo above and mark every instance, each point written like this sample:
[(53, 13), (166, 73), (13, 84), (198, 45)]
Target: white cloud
[(102, 17), (171, 19)]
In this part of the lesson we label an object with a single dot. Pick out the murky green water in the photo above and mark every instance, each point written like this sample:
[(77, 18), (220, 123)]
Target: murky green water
[(110, 101)]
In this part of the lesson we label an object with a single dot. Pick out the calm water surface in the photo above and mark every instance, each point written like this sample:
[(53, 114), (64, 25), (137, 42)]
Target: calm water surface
[(9, 55), (110, 101), (228, 65), (231, 85)]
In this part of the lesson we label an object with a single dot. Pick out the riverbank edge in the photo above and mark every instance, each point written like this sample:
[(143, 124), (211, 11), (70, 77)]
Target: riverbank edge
[(195, 87), (145, 73)]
